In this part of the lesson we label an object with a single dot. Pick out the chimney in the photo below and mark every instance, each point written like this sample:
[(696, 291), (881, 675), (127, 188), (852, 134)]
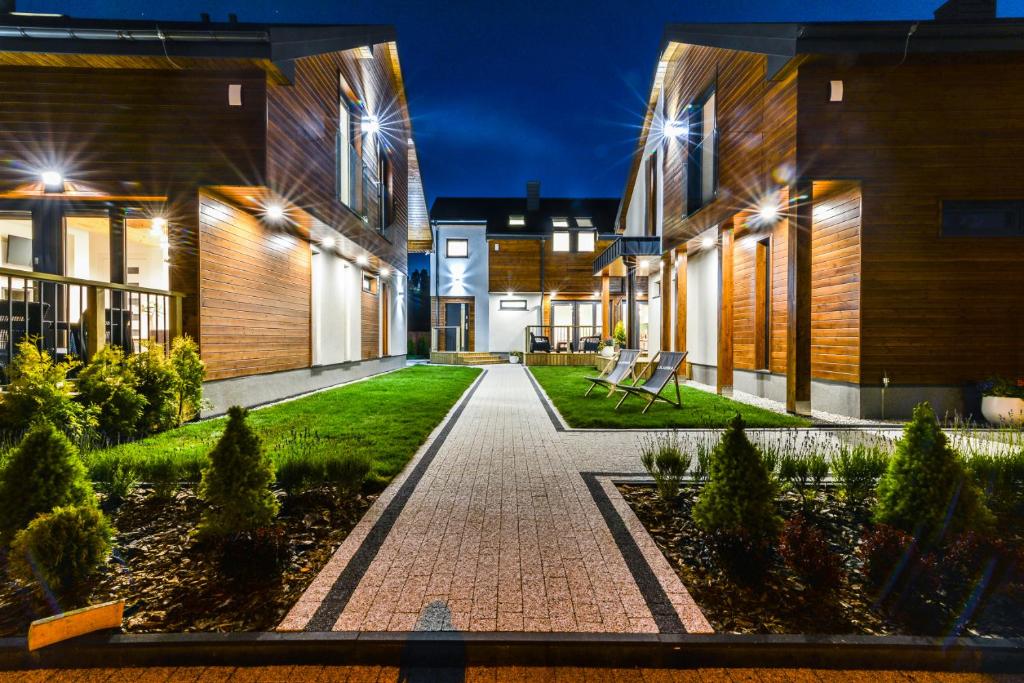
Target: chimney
[(966, 11), (532, 195)]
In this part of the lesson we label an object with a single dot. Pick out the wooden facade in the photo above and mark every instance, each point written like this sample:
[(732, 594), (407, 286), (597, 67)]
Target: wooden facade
[(853, 280)]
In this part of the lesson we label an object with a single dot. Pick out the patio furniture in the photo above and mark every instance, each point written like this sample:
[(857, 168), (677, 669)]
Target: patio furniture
[(539, 343), (590, 344), (667, 368), (562, 347), (620, 371)]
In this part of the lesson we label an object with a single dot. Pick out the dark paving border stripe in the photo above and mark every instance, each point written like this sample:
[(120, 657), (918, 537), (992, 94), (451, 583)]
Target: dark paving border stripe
[(548, 407), (661, 607), (337, 598), (521, 649)]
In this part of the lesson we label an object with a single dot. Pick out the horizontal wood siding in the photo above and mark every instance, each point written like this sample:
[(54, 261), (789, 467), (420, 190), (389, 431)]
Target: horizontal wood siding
[(369, 322), (301, 138), (571, 271), (935, 310), (835, 282), (514, 267), (255, 301), (438, 318)]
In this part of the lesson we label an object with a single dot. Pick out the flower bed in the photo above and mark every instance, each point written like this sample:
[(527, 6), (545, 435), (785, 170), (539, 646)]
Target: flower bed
[(173, 585), (782, 602)]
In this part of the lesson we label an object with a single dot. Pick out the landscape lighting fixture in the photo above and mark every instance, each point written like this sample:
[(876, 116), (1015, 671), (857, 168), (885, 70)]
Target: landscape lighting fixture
[(53, 181), (675, 129)]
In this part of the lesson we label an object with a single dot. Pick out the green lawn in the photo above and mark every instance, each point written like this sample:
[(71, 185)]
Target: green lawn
[(566, 386), (386, 417)]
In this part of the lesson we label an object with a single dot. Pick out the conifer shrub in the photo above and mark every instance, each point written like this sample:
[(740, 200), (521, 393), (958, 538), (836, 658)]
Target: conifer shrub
[(157, 381), (619, 334), (663, 458), (42, 473), (190, 371), (739, 497), (61, 549), (108, 383), (236, 482), (926, 490), (38, 387)]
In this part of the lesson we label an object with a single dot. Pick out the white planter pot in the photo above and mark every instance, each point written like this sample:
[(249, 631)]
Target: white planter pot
[(1003, 410), (607, 351), (513, 359)]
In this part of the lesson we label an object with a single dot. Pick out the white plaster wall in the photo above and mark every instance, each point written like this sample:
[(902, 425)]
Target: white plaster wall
[(507, 331), (654, 315), (332, 301), (464, 276), (398, 336), (702, 306)]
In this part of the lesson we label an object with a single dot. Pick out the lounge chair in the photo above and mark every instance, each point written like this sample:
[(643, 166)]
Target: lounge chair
[(618, 374), (589, 344), (539, 343), (667, 368)]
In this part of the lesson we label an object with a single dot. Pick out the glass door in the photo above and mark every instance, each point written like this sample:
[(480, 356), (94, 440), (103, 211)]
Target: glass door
[(456, 320), (562, 337)]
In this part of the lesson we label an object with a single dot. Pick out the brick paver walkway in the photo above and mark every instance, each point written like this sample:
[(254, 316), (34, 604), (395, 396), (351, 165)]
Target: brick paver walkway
[(497, 531)]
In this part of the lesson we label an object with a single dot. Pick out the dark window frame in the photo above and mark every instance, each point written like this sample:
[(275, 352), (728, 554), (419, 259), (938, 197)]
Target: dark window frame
[(694, 176), (385, 189), (506, 305), (956, 216), (352, 155)]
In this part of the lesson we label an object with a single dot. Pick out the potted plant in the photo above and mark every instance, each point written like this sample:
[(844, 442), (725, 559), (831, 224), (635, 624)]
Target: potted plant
[(1002, 401), (515, 356), (607, 348), (619, 335)]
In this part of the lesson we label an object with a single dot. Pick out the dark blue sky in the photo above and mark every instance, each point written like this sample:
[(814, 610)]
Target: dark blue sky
[(504, 91)]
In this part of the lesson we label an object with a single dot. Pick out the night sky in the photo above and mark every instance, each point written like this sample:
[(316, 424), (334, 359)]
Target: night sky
[(504, 91)]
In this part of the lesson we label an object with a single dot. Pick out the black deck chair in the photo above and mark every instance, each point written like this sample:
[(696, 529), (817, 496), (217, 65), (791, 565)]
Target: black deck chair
[(618, 374), (539, 343), (590, 344), (667, 368)]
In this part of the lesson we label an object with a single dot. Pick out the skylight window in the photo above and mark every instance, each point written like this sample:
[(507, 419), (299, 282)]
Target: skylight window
[(585, 240), (560, 222), (584, 222), (560, 240), (517, 220)]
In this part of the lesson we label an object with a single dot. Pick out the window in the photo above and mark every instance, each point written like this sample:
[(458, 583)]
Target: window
[(16, 236), (560, 222), (651, 209), (517, 221), (762, 305), (656, 290), (456, 248), (385, 197), (586, 240), (146, 249), (702, 152), (512, 304), (560, 240), (347, 151), (584, 222), (998, 218), (369, 284), (87, 246)]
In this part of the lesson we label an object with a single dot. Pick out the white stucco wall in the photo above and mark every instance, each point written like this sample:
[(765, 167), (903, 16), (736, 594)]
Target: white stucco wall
[(335, 306), (397, 337), (702, 305), (507, 331), (654, 315), (464, 277)]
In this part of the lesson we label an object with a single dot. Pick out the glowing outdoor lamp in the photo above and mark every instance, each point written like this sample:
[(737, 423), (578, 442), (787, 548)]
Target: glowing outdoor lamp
[(362, 260), (371, 124), (327, 243), (53, 181), (707, 242), (675, 129), (275, 212), (385, 271)]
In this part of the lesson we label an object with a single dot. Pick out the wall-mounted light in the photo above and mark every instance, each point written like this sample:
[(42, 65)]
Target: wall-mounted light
[(554, 293), (385, 271), (675, 129), (371, 125), (327, 242), (707, 242), (768, 212), (158, 226), (835, 91), (53, 181), (274, 212), (362, 260), (510, 293), (597, 294)]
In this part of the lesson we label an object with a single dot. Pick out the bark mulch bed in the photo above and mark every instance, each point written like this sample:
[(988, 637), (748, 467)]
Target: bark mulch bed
[(780, 602), (172, 584)]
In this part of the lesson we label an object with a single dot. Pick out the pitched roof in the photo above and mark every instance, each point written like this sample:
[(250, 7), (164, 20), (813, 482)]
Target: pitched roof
[(495, 213)]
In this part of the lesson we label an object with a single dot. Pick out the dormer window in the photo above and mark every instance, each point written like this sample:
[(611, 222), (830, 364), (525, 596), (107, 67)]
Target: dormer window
[(584, 222), (560, 240), (517, 221), (560, 222)]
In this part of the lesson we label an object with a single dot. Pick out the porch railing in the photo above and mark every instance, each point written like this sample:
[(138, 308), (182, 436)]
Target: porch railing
[(446, 338), (75, 317), (562, 338)]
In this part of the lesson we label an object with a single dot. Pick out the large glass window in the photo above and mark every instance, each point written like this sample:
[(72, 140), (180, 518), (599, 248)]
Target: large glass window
[(16, 240), (702, 152), (585, 240), (147, 253), (560, 240), (347, 149), (456, 248), (87, 247)]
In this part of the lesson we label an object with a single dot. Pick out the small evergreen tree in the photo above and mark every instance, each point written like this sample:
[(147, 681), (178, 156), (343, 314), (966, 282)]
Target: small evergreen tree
[(38, 387), (619, 334), (61, 549), (42, 473), (190, 372), (157, 381), (926, 490), (739, 498), (236, 482), (108, 383)]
